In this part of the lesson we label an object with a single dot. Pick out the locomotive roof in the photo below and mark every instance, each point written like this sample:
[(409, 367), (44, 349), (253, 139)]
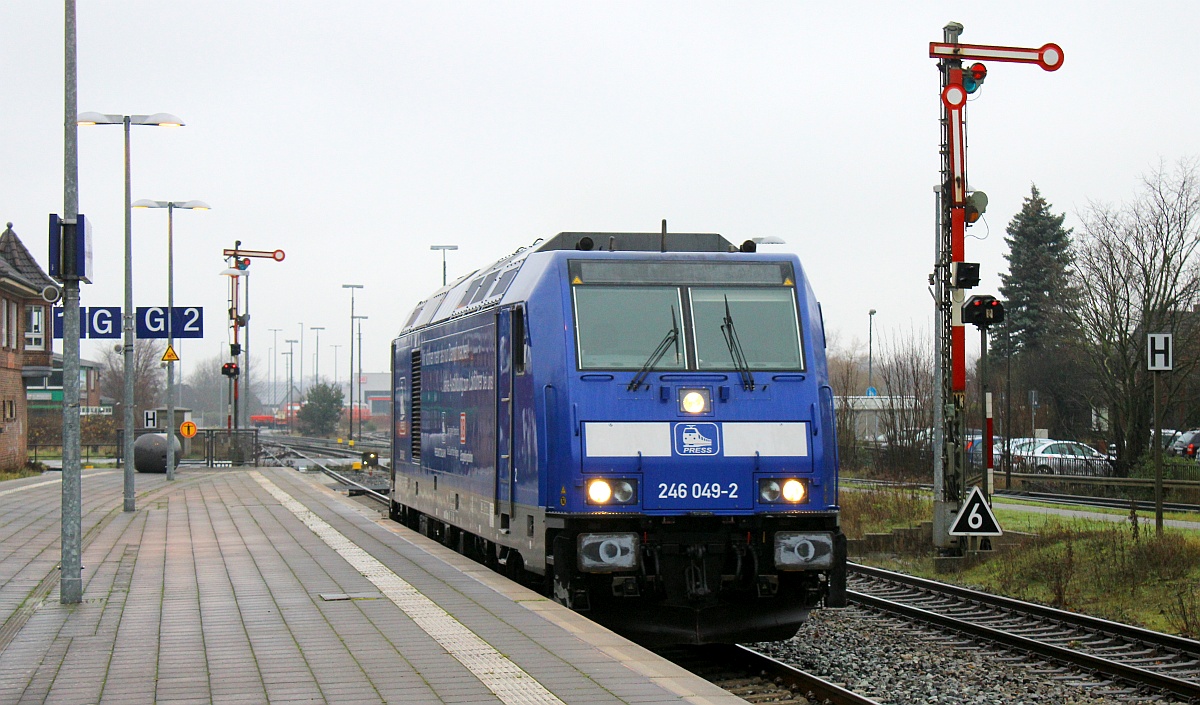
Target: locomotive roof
[(486, 287)]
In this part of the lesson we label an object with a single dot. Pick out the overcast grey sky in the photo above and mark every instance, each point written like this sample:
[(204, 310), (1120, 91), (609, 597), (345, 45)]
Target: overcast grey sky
[(354, 135)]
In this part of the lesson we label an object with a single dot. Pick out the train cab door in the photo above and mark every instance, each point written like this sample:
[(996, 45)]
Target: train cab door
[(505, 475)]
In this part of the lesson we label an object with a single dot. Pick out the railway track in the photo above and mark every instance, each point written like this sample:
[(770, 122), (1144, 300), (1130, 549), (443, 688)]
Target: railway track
[(758, 678), (1129, 655)]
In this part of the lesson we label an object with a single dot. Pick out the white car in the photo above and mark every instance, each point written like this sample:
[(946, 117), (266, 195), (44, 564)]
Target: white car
[(1061, 458)]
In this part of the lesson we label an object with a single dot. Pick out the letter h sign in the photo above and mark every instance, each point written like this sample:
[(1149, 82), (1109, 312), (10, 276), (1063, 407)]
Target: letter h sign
[(1159, 352)]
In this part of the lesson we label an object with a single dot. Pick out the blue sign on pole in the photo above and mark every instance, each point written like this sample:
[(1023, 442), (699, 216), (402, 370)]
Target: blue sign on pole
[(100, 322), (187, 322)]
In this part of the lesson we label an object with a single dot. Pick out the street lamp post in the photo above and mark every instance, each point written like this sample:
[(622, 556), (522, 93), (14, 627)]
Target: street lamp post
[(360, 319), (301, 376), (443, 249), (335, 379), (163, 120), (287, 414), (350, 418), (317, 360), (171, 206), (274, 366), (870, 348)]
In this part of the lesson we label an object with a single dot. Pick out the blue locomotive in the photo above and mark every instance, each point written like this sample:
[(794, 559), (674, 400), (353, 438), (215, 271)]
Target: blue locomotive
[(640, 423)]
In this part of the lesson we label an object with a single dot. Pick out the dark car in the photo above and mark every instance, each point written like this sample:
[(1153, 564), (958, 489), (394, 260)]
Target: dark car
[(1185, 445)]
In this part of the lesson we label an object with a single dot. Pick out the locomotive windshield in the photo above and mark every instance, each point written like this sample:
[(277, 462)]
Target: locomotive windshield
[(766, 327), (625, 325), (614, 339)]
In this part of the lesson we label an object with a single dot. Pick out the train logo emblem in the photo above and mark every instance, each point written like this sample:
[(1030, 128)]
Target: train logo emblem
[(697, 439)]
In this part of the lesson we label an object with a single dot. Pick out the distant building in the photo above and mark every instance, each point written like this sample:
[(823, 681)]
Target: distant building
[(26, 344)]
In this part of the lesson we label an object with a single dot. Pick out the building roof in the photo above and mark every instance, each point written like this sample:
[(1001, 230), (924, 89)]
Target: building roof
[(16, 262)]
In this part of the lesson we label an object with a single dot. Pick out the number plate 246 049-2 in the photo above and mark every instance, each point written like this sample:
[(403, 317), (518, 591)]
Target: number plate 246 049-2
[(695, 493)]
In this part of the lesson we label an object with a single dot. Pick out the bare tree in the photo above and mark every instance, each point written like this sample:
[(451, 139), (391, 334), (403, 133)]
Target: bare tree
[(845, 376), (906, 366), (149, 375), (1138, 273)]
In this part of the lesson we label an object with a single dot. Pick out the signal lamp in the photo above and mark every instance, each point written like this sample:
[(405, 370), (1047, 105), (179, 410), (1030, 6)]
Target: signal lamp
[(983, 311), (229, 369), (964, 275), (973, 77), (370, 458), (975, 206)]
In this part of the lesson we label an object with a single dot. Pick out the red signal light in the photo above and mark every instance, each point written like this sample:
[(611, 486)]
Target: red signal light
[(973, 77)]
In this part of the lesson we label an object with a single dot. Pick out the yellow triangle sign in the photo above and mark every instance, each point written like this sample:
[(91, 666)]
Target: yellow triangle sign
[(169, 355), (576, 280)]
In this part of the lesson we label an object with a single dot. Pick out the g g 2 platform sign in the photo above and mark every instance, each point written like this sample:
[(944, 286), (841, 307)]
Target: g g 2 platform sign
[(99, 322)]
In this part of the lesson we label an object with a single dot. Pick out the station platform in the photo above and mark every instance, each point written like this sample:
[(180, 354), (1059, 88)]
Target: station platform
[(264, 585)]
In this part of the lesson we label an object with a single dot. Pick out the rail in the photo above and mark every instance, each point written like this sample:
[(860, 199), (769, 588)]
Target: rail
[(1139, 656)]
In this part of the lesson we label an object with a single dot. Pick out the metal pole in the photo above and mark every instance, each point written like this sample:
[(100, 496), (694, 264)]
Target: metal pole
[(244, 379), (360, 390), (129, 313), (1008, 407), (317, 357), (350, 417), (274, 365), (301, 377), (70, 589), (335, 379), (870, 348), (170, 340), (1158, 472)]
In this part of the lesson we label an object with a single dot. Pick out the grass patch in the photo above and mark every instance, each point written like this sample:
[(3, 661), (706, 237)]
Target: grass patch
[(879, 510), (18, 474)]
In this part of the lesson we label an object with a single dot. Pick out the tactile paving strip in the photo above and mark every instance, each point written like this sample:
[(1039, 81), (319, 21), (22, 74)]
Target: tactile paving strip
[(506, 679)]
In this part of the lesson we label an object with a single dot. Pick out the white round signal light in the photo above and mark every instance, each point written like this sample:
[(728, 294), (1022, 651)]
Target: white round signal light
[(599, 491), (793, 490)]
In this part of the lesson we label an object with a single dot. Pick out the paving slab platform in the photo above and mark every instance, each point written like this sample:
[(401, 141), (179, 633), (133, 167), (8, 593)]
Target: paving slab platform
[(264, 585)]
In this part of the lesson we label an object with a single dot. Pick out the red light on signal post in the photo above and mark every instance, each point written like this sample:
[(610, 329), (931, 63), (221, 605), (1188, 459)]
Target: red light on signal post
[(973, 77)]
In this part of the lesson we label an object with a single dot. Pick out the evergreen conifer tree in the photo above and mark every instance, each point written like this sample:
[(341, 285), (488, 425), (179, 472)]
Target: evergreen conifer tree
[(1037, 290)]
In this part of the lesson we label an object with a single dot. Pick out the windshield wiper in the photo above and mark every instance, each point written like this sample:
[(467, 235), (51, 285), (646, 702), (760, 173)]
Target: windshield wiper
[(735, 350), (672, 337)]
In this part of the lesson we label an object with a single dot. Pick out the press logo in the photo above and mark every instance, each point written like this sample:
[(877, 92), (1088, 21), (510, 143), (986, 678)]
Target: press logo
[(697, 439)]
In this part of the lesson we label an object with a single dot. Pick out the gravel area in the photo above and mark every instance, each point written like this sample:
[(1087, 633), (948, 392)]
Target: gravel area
[(897, 663)]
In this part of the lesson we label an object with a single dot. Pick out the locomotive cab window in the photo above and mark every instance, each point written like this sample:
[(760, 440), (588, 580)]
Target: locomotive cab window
[(761, 320), (620, 327)]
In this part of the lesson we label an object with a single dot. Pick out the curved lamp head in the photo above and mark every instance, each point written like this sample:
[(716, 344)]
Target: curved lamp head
[(191, 205), (160, 119)]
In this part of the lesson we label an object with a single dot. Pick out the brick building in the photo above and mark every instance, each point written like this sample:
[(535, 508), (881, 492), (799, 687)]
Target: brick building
[(26, 344)]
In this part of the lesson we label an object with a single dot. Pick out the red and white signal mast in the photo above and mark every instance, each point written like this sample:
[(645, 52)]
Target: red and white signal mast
[(959, 208)]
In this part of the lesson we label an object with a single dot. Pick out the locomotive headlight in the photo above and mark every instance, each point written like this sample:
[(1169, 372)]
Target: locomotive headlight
[(599, 491), (769, 490), (793, 490), (695, 401), (776, 491), (609, 491)]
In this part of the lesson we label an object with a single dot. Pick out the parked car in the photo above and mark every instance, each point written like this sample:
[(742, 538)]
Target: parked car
[(1185, 444), (975, 449), (1062, 458)]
